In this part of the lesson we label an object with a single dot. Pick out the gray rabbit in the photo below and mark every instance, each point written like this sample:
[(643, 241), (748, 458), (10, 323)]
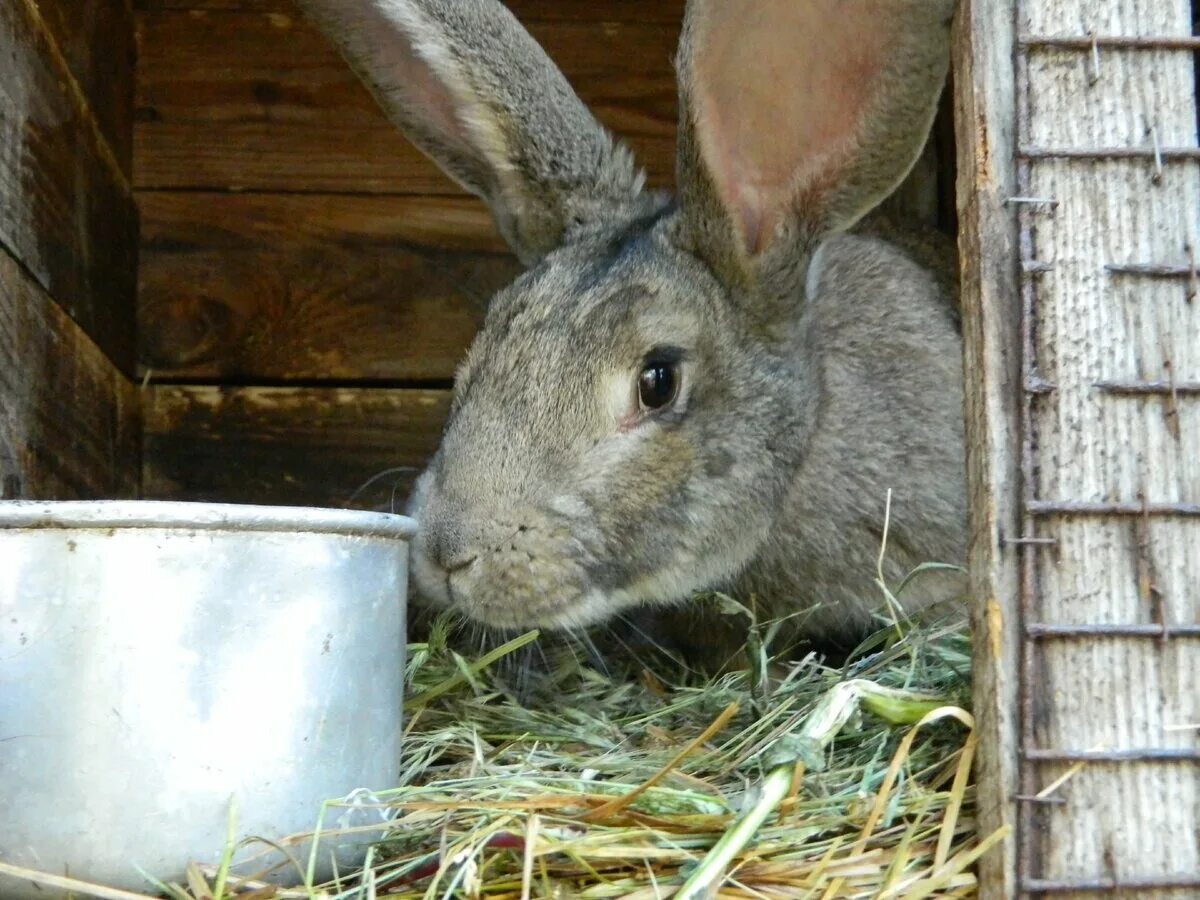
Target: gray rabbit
[(710, 391)]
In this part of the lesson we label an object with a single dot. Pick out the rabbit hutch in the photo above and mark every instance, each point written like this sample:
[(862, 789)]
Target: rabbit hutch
[(224, 276)]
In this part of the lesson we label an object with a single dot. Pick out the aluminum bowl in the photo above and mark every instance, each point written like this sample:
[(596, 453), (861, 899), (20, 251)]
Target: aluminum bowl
[(160, 659)]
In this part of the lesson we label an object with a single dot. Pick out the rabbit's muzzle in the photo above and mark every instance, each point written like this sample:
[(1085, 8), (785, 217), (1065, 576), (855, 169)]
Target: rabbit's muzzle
[(514, 570)]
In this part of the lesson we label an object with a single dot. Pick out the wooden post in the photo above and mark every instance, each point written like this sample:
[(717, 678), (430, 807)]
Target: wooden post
[(984, 117), (69, 416), (1087, 657)]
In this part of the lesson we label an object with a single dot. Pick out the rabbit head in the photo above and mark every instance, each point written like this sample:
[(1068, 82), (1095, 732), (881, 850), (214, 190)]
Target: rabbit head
[(628, 425)]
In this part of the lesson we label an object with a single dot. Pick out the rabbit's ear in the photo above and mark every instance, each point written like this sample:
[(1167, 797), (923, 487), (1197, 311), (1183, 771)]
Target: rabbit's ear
[(797, 117), (472, 89)]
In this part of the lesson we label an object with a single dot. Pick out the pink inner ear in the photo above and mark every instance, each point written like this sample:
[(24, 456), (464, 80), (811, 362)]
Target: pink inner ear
[(398, 68), (781, 89)]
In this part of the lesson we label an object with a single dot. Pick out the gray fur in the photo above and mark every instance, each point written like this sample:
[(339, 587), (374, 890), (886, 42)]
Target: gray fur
[(807, 393), (523, 141)]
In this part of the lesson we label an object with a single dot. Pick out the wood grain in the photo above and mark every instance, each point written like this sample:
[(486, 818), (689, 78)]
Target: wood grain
[(316, 446), (96, 40), (261, 101), (662, 11), (313, 287), (984, 108), (1089, 446), (66, 214), (69, 421)]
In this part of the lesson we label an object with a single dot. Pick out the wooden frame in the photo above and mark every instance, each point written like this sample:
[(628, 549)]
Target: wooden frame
[(984, 106), (1082, 349), (69, 416), (270, 344)]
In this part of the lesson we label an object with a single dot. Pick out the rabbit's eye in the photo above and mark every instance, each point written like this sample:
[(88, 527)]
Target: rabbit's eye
[(658, 385)]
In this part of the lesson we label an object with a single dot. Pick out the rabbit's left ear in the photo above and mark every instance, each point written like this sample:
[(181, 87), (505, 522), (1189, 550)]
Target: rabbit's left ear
[(465, 82), (797, 117)]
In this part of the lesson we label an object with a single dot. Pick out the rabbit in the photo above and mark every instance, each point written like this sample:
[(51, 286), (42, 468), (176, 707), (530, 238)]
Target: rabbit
[(711, 391)]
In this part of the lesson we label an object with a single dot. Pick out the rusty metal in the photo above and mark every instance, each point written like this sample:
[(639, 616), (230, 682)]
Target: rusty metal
[(1045, 541), (1126, 508), (1108, 42), (1048, 202), (1047, 631), (1154, 154), (1107, 885), (1050, 800), (1133, 388), (1151, 270), (1028, 676), (1137, 754)]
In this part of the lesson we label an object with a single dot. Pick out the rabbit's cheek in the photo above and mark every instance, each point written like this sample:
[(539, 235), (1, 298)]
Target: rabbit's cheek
[(428, 578)]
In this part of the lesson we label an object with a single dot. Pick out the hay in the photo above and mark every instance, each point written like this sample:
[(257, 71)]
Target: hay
[(802, 780), (780, 780)]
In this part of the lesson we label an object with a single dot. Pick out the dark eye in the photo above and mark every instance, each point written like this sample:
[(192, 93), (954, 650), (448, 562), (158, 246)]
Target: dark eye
[(658, 385)]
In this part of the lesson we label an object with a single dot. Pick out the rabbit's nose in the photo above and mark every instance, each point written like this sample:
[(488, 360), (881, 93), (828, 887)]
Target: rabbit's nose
[(447, 547)]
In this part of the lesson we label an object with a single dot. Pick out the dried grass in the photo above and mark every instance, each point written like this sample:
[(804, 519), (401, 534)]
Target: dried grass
[(796, 780), (805, 779)]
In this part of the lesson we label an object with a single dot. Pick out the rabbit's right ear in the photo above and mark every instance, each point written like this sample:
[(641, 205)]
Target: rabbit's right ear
[(797, 117), (472, 89)]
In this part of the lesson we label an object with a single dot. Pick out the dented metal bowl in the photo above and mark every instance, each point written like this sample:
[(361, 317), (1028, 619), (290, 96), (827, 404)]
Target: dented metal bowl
[(160, 659)]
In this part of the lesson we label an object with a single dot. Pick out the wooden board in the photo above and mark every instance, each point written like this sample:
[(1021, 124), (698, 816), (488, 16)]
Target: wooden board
[(663, 11), (67, 214), (1121, 820), (315, 446), (69, 421), (984, 106), (314, 287), (95, 38), (261, 101)]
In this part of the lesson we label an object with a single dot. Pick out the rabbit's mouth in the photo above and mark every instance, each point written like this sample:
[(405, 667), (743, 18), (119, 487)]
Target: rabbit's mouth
[(526, 576), (512, 587)]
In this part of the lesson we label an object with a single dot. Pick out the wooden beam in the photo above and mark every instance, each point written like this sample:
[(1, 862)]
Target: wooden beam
[(95, 38), (279, 287), (984, 114), (262, 101), (662, 11), (67, 214), (333, 447), (69, 421)]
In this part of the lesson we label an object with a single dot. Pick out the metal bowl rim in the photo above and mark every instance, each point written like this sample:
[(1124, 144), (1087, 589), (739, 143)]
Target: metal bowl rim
[(175, 515)]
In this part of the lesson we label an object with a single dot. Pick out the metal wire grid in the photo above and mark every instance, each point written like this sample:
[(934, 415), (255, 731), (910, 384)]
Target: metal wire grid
[(1035, 634)]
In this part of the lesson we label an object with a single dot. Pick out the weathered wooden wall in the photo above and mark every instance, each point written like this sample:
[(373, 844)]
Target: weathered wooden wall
[(296, 248), (1088, 662), (1089, 445), (68, 249)]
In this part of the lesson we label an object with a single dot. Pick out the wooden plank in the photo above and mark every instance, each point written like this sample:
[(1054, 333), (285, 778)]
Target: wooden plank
[(984, 108), (1090, 446), (261, 101), (311, 287), (95, 38), (69, 421), (315, 287), (663, 11), (66, 211), (316, 446)]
